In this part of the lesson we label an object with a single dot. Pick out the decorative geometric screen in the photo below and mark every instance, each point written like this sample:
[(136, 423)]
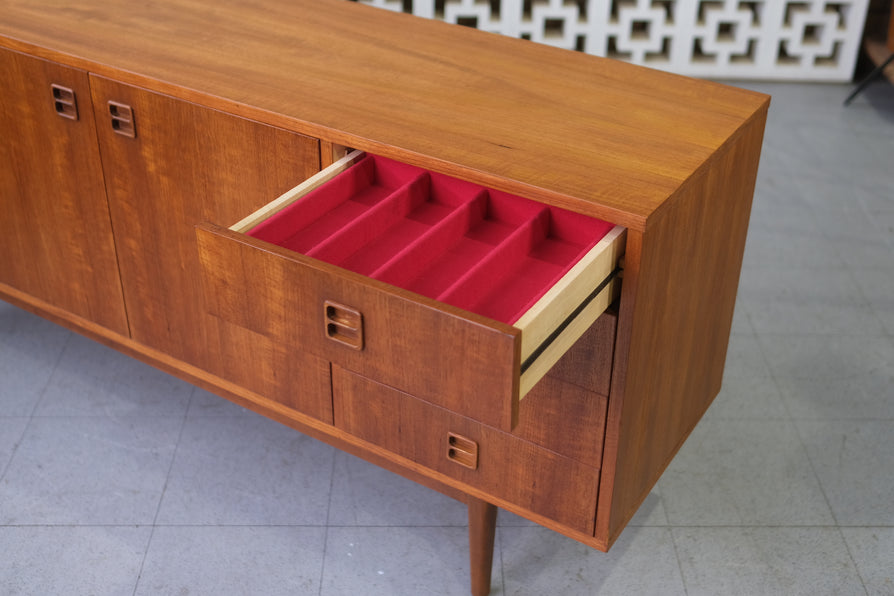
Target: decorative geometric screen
[(814, 40)]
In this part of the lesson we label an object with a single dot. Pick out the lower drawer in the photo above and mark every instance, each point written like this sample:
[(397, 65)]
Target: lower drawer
[(503, 465)]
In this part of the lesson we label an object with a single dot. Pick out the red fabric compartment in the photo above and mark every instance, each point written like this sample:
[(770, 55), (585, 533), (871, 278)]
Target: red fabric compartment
[(417, 257), (482, 250), (372, 224), (322, 212), (499, 264), (513, 277), (568, 236), (431, 205)]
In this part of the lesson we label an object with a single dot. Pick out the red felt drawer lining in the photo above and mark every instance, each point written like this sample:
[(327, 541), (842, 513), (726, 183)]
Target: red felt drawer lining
[(482, 250)]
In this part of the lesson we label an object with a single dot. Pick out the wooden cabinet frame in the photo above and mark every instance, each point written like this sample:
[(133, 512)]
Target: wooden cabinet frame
[(670, 159)]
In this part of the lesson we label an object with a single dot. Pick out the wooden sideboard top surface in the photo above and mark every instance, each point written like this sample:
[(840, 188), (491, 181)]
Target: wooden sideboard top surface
[(594, 135)]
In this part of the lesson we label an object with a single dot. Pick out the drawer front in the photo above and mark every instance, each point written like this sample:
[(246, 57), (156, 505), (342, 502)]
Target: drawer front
[(459, 295), (441, 354), (496, 462), (588, 363)]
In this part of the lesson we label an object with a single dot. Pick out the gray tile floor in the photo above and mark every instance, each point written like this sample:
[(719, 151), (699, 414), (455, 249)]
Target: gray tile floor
[(117, 479)]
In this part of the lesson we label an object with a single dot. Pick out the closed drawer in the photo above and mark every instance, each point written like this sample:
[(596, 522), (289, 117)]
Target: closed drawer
[(456, 294), (488, 459)]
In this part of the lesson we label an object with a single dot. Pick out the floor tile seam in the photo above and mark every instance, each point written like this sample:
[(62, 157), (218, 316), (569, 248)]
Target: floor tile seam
[(752, 526), (249, 525), (829, 315), (807, 293), (169, 525), (71, 525), (816, 475), (164, 525), (834, 334), (409, 526), (792, 421), (847, 548), (879, 330), (123, 418), (838, 528), (327, 526), (775, 381), (836, 418), (219, 416), (51, 376), (878, 319), (164, 489), (839, 266), (498, 551), (874, 236), (139, 574), (728, 418), (15, 449), (747, 315), (670, 532)]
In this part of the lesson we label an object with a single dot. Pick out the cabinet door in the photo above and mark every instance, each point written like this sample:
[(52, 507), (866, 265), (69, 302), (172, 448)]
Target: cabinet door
[(170, 165), (55, 234)]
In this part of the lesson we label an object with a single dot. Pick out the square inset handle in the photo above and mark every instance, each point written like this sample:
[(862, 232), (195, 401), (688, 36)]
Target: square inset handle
[(462, 450), (122, 119), (343, 324), (65, 102)]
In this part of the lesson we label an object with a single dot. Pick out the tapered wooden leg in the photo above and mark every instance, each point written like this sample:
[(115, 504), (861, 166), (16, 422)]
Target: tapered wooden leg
[(482, 525)]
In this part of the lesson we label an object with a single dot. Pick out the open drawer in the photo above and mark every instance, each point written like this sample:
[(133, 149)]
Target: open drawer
[(459, 295)]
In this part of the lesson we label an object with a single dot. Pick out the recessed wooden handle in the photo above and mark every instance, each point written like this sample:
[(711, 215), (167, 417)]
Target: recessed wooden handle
[(122, 119), (343, 324), (462, 450), (64, 101)]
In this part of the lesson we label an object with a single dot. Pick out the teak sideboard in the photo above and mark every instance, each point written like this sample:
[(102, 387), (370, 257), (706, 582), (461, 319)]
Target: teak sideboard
[(146, 147)]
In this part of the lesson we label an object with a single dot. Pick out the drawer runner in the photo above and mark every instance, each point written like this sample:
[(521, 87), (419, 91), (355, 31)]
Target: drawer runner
[(554, 336)]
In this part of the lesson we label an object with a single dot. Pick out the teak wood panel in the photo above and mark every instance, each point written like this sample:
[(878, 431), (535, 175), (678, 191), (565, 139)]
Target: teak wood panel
[(589, 362), (565, 412), (533, 478), (434, 351), (55, 234), (188, 164), (487, 108), (680, 282), (564, 418)]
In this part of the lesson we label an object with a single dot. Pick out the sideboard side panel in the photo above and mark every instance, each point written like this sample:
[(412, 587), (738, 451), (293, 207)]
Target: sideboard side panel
[(674, 325)]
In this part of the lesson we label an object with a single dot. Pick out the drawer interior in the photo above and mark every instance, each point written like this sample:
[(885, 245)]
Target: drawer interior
[(485, 251)]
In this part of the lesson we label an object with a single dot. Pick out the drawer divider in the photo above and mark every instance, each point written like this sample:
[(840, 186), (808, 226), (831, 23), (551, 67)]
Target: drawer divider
[(546, 343), (264, 219), (414, 258), (488, 274), (367, 226)]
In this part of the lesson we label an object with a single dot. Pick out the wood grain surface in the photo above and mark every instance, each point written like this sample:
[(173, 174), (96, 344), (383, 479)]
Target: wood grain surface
[(676, 313), (188, 164), (510, 468), (439, 353), (598, 136), (55, 233), (672, 159)]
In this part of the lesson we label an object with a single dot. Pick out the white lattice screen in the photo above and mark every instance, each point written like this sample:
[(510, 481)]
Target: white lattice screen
[(758, 39)]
